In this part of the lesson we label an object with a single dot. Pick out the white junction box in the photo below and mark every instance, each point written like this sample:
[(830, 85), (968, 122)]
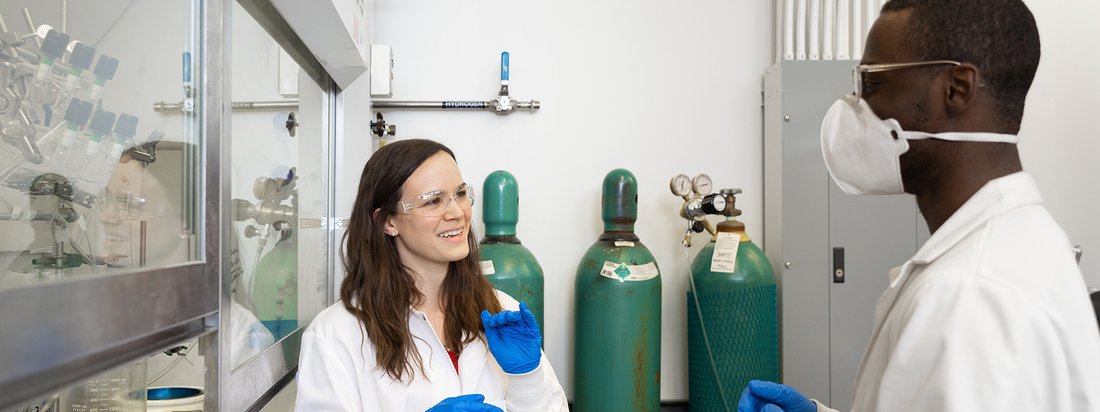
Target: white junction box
[(381, 71), (288, 76)]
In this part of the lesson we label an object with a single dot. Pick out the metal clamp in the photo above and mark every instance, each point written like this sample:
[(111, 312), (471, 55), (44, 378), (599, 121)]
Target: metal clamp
[(380, 129)]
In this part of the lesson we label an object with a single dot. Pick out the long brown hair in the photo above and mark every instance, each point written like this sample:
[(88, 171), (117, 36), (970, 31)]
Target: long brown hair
[(379, 290)]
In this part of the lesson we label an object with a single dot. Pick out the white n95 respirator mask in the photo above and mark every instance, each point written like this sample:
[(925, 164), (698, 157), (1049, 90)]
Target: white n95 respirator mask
[(862, 151)]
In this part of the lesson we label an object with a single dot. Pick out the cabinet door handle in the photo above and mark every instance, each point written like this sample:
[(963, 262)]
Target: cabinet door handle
[(838, 265)]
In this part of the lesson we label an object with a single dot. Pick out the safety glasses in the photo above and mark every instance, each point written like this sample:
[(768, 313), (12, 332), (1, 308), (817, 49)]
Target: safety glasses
[(436, 202), (861, 70)]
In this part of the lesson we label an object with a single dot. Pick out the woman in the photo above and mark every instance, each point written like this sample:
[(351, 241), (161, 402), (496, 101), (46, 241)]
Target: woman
[(407, 335)]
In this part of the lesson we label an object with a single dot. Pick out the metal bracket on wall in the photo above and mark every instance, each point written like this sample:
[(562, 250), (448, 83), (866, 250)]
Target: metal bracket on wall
[(380, 129), (292, 124)]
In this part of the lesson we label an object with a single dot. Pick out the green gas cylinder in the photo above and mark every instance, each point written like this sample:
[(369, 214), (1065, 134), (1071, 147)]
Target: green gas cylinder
[(508, 265), (735, 287), (617, 363), (275, 288)]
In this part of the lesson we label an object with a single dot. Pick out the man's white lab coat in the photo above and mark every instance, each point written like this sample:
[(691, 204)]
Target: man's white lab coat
[(991, 314), (337, 371)]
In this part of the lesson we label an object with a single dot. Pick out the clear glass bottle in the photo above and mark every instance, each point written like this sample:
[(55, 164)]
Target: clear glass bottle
[(118, 390)]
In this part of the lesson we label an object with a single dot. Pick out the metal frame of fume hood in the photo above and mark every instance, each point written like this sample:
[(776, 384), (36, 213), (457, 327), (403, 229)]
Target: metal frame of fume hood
[(249, 386)]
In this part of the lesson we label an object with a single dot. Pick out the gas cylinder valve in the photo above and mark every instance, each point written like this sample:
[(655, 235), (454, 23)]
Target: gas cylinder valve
[(698, 203), (729, 197)]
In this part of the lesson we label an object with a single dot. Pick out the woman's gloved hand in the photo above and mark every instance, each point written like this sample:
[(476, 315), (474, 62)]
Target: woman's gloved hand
[(465, 403), (514, 339), (764, 396)]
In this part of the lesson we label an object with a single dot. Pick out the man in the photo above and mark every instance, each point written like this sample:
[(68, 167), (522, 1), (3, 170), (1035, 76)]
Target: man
[(992, 313)]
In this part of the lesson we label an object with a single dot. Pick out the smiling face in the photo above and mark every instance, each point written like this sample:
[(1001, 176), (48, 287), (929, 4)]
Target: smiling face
[(431, 243)]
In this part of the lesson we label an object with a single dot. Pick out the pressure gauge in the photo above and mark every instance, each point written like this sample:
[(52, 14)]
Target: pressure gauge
[(702, 184), (680, 185)]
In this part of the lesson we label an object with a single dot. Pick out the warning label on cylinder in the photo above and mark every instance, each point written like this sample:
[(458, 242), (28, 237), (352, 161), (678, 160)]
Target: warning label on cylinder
[(623, 272), (487, 267), (724, 259)]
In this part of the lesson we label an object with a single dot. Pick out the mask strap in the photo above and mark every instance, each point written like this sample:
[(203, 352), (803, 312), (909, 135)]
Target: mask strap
[(963, 137)]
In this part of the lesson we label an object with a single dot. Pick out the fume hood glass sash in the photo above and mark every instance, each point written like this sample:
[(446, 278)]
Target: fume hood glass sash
[(95, 317)]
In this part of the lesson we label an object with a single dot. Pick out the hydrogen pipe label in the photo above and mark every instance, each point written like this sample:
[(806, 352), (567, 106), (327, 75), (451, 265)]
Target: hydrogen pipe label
[(465, 105)]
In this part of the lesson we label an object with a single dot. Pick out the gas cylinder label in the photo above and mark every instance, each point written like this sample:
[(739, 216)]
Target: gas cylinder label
[(487, 267), (724, 259), (624, 243), (623, 272)]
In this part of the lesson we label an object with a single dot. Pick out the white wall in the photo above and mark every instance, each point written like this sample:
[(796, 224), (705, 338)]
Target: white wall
[(654, 87), (1059, 141)]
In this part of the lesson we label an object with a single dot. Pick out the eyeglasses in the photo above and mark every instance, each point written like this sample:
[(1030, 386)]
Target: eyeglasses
[(436, 202), (860, 70)]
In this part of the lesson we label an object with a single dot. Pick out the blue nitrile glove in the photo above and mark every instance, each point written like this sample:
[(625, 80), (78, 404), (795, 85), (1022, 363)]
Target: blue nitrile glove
[(764, 396), (514, 339), (465, 403)]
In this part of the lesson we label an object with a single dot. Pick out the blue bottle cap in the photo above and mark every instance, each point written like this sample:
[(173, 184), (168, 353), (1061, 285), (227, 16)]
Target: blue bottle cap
[(105, 67), (126, 126), (79, 111), (82, 56), (55, 42), (102, 122)]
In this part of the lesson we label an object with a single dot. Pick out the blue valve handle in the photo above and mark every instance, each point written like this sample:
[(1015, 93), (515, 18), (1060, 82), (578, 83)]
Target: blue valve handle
[(186, 67), (504, 66)]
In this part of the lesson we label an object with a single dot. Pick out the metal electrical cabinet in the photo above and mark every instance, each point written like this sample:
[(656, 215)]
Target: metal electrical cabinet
[(831, 251)]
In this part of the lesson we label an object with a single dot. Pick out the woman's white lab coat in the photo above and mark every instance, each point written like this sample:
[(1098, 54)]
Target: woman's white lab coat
[(991, 314), (337, 371)]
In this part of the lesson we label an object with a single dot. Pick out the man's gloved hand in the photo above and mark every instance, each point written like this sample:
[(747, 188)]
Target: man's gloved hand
[(514, 339), (764, 396), (465, 403)]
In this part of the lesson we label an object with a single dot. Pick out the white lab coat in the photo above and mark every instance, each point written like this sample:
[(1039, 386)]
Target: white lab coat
[(991, 314), (337, 371)]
